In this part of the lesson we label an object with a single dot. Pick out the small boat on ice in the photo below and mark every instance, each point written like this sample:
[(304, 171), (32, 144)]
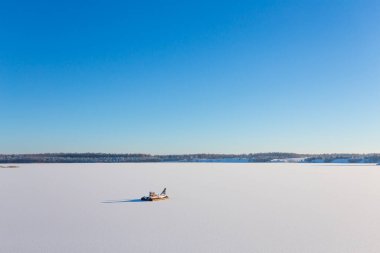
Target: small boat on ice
[(154, 196)]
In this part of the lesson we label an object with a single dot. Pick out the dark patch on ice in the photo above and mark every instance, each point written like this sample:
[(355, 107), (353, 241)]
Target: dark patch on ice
[(122, 201)]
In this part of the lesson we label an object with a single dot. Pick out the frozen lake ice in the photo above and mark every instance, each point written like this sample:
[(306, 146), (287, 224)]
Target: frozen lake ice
[(213, 207)]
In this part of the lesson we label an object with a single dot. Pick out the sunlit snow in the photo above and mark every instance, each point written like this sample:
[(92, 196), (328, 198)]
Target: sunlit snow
[(213, 207)]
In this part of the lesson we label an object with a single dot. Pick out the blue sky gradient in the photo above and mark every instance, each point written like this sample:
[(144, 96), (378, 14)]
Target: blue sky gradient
[(189, 77)]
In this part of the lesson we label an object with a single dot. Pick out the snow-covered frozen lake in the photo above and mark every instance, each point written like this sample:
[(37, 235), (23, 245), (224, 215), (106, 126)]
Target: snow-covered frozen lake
[(213, 207)]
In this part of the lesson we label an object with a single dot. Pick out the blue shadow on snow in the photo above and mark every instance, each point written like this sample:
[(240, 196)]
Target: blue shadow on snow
[(123, 201)]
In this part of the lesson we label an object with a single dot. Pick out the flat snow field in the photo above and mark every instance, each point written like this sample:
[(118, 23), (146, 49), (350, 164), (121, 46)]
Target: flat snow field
[(213, 207)]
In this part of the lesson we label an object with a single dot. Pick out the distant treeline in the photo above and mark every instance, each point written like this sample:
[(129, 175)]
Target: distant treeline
[(125, 158)]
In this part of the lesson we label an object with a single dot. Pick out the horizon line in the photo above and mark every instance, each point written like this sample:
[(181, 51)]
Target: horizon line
[(201, 153)]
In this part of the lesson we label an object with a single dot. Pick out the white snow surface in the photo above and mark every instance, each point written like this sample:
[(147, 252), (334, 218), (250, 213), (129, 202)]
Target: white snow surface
[(213, 207)]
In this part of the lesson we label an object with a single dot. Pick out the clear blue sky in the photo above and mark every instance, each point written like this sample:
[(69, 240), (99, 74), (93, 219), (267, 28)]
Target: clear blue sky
[(187, 77)]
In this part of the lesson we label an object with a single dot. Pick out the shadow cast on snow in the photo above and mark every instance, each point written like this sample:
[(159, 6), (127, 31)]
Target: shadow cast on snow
[(123, 201)]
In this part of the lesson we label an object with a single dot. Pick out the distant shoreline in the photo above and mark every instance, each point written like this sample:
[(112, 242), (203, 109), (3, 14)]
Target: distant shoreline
[(272, 157)]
